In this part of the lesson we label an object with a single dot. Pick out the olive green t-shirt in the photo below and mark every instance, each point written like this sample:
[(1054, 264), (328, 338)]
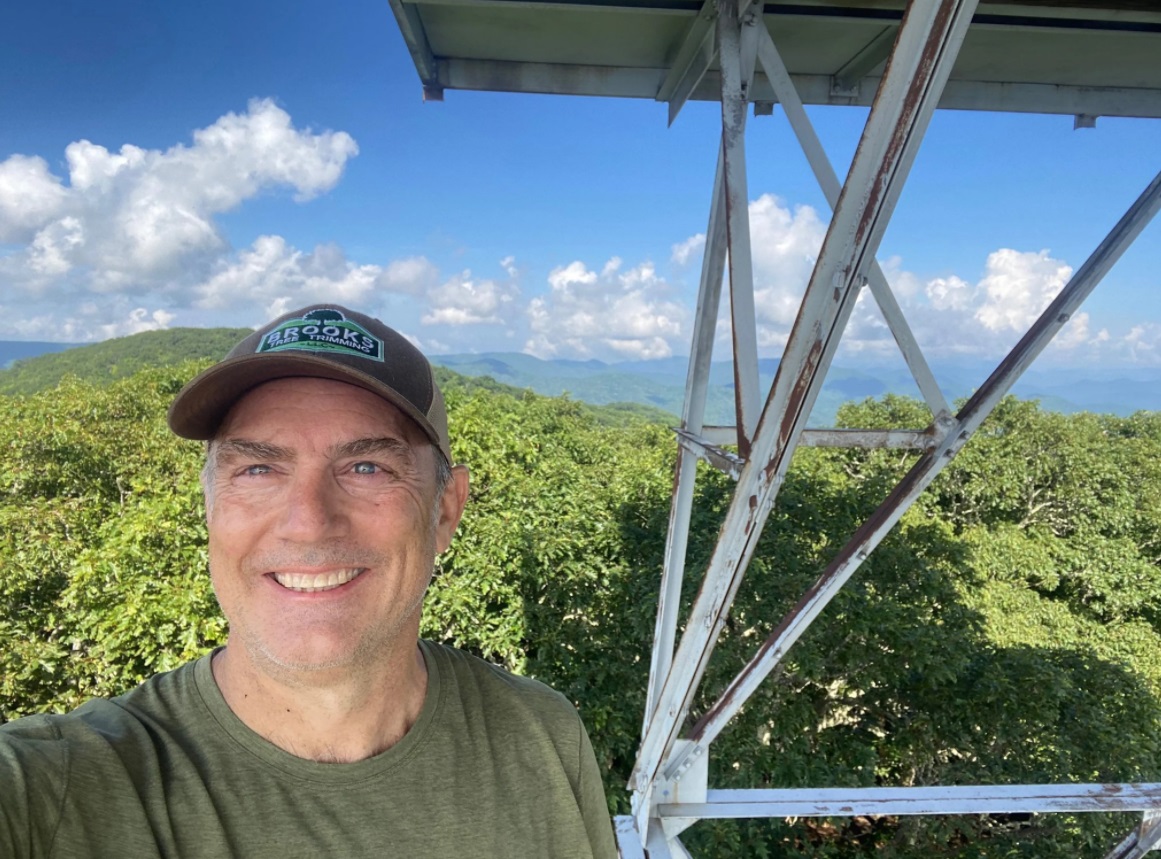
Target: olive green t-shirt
[(495, 766)]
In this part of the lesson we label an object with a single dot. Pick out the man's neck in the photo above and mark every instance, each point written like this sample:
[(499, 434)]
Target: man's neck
[(338, 716)]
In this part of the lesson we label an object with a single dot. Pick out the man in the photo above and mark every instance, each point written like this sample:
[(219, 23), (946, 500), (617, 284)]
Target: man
[(324, 727)]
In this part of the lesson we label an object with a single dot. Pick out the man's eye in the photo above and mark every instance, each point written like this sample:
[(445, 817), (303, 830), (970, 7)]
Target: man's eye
[(365, 468), (256, 470)]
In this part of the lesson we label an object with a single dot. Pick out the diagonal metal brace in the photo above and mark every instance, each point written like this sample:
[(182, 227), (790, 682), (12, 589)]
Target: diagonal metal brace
[(929, 41), (1140, 841)]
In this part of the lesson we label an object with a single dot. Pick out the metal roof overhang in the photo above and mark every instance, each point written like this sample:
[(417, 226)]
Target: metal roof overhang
[(1061, 57)]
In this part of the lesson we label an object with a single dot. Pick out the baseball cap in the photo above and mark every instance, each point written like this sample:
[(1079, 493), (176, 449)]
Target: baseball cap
[(323, 341)]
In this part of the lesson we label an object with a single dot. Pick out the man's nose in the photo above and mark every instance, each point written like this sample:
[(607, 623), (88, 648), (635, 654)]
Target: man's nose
[(314, 507)]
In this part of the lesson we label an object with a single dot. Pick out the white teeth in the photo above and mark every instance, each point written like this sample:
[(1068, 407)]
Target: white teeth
[(313, 583)]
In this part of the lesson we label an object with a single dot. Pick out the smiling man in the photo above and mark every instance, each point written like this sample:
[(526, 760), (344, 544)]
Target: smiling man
[(325, 727)]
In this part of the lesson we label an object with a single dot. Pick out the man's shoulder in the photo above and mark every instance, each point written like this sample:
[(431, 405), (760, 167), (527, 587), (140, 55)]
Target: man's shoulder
[(160, 697), (494, 687)]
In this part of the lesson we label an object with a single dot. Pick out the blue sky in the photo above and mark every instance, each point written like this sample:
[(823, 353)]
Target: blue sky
[(248, 157)]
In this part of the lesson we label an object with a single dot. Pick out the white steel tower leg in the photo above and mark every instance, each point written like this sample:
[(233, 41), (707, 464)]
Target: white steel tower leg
[(928, 43)]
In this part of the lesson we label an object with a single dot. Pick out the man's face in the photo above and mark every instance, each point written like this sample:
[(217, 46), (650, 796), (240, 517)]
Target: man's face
[(323, 524)]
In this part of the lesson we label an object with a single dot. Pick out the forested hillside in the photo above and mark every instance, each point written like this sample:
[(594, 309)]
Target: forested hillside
[(120, 357), (1008, 630)]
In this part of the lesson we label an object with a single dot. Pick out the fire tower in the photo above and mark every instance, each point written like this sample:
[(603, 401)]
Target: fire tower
[(904, 60)]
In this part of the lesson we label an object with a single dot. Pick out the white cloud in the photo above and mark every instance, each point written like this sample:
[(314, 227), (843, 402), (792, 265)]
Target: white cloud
[(280, 277), (683, 251), (784, 245), (84, 322), (621, 314), (413, 275), (132, 235), (140, 319), (461, 300), (141, 223), (30, 196), (562, 277), (1018, 286)]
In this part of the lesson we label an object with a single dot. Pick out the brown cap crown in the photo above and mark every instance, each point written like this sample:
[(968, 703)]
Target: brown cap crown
[(324, 341)]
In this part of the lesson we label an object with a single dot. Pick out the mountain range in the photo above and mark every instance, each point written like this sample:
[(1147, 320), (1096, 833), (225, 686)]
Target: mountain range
[(661, 383)]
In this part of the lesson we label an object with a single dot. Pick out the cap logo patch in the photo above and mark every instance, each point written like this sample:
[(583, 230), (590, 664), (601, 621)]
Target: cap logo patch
[(323, 330)]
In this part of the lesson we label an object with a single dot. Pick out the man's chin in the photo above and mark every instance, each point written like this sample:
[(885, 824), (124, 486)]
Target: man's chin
[(306, 660)]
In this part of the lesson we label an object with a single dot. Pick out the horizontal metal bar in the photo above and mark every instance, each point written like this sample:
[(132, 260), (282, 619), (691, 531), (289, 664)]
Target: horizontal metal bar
[(708, 447), (1012, 97), (974, 799), (723, 460), (1001, 96), (653, 7), (869, 438), (1110, 16)]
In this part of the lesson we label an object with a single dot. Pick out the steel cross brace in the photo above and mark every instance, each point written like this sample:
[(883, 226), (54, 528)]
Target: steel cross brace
[(929, 40), (1144, 838), (868, 536), (731, 153)]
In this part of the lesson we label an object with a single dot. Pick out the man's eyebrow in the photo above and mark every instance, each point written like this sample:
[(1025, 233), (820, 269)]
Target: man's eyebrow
[(366, 446), (240, 448)]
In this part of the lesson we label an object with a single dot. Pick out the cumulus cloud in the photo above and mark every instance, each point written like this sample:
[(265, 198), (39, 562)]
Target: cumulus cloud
[(1017, 287), (683, 251), (87, 321), (139, 319), (614, 313), (142, 222), (280, 277), (951, 315), (463, 300), (30, 197)]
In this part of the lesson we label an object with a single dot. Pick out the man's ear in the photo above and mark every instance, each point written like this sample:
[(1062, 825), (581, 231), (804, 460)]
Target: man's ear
[(451, 507)]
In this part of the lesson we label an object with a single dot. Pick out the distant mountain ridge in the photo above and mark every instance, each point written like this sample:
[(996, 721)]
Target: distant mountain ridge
[(657, 384), (661, 383), (12, 351)]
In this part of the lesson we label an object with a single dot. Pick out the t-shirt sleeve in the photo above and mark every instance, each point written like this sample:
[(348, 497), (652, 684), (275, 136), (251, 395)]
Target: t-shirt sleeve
[(32, 785), (594, 808)]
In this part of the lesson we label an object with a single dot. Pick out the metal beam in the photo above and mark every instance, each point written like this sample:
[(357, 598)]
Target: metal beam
[(869, 535), (738, 49), (709, 297), (628, 841), (410, 25), (693, 58), (579, 79), (731, 464), (928, 43), (828, 182), (1140, 841), (861, 64), (976, 799)]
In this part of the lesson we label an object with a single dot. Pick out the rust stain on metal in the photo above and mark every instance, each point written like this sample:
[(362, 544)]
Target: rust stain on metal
[(676, 476), (794, 404), (902, 132)]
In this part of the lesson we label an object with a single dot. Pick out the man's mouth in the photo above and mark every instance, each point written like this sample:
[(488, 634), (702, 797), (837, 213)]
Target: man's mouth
[(313, 583)]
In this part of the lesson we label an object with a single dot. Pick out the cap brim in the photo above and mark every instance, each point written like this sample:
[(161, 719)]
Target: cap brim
[(202, 405)]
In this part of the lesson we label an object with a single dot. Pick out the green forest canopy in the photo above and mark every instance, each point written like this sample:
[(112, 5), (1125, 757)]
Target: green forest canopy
[(1008, 630)]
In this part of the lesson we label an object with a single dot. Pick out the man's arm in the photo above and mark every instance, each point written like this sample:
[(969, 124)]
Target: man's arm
[(33, 778), (594, 808)]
